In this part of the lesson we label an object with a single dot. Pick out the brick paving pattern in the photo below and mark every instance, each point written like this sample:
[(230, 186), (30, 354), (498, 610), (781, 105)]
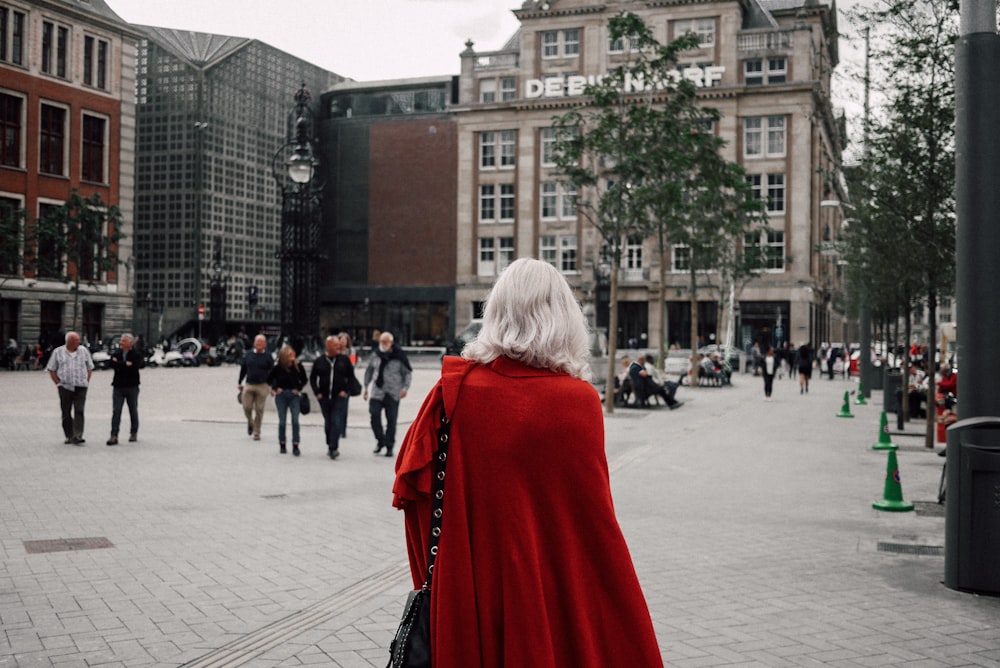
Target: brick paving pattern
[(750, 525)]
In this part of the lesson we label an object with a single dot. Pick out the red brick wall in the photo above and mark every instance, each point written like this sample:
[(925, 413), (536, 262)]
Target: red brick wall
[(413, 190)]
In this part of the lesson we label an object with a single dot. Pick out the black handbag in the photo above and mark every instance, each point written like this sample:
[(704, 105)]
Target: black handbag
[(353, 386), (411, 648), (304, 405)]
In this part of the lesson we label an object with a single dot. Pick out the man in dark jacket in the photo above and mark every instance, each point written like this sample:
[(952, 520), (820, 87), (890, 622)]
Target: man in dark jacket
[(126, 361), (330, 382), (255, 369)]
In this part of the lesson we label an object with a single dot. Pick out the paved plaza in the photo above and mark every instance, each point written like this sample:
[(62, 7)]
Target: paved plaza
[(750, 524)]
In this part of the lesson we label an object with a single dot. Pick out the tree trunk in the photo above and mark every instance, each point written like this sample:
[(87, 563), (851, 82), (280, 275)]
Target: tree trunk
[(693, 380), (931, 435), (609, 387)]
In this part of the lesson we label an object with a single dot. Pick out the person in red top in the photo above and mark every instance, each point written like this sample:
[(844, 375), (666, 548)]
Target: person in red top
[(532, 568), (948, 382)]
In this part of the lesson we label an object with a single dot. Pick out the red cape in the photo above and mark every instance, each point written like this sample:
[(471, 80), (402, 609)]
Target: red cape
[(532, 568)]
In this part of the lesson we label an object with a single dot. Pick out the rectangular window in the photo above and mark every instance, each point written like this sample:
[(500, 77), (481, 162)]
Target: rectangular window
[(4, 27), (49, 244), (681, 260), (487, 90), (10, 130), (550, 44), (548, 250), (775, 136), (567, 253), (621, 44), (754, 144), (703, 28), (94, 141), (487, 204), (550, 197), (10, 236), (547, 136), (775, 193), (756, 190), (55, 45), (488, 150), (560, 43), (507, 201), (571, 42), (95, 62), (752, 137), (52, 140), (508, 88), (633, 253), (761, 71), (487, 257), (508, 149), (48, 33), (766, 250), (505, 255), (558, 201), (17, 38)]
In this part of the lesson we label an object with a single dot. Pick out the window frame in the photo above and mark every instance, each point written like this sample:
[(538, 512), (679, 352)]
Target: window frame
[(95, 61), (758, 139), (16, 128), (698, 27), (88, 144), (12, 26), (45, 156), (560, 44)]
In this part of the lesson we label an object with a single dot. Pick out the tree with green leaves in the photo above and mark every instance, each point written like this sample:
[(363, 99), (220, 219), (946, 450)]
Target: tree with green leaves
[(642, 158), (910, 159), (77, 243)]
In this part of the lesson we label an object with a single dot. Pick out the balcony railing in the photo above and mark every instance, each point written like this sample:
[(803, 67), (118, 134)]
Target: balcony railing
[(497, 60), (764, 41), (634, 275)]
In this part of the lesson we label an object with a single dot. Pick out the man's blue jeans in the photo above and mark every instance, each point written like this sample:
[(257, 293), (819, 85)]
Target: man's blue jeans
[(334, 419), (130, 396), (385, 437)]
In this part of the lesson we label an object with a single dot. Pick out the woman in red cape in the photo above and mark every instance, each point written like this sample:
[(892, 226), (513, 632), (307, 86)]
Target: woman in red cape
[(532, 568)]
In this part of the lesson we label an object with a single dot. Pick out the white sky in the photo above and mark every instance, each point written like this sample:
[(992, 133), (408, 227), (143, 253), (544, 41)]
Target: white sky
[(374, 40), (366, 40)]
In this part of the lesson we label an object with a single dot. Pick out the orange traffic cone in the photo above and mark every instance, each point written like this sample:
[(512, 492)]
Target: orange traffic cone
[(892, 498)]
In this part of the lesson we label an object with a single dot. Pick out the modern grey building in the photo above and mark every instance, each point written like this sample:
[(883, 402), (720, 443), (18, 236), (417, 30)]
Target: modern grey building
[(212, 110)]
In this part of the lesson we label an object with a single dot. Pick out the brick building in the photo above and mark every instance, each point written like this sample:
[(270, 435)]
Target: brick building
[(67, 122)]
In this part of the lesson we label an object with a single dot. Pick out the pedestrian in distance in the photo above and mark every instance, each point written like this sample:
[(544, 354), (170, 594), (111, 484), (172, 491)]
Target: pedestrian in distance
[(126, 362), (513, 586), (255, 369), (768, 368), (70, 367), (348, 348), (391, 372), (804, 363), (287, 378), (330, 380)]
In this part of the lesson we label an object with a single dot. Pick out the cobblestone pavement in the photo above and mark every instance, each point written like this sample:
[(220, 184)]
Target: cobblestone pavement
[(750, 524)]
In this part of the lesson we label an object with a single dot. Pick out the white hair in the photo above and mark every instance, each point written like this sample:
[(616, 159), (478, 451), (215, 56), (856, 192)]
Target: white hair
[(531, 316)]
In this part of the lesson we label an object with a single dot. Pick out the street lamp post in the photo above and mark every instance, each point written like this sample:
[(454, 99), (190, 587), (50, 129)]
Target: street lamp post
[(294, 168)]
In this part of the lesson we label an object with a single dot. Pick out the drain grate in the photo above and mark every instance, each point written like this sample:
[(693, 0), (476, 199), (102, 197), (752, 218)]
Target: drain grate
[(910, 548), (65, 545)]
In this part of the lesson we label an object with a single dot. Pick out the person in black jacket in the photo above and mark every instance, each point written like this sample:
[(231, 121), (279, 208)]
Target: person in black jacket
[(287, 378), (330, 382), (126, 362)]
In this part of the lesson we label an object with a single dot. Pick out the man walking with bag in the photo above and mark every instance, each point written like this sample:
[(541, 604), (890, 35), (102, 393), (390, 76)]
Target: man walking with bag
[(330, 380), (255, 369), (391, 371)]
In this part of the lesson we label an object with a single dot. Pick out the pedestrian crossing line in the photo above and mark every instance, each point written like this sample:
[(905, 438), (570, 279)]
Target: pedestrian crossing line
[(259, 642)]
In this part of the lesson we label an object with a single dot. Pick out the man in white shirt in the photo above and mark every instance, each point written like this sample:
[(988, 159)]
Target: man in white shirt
[(70, 367)]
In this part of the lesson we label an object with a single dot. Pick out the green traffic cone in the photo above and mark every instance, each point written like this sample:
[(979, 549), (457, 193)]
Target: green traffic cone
[(884, 442), (892, 498), (845, 410), (860, 400)]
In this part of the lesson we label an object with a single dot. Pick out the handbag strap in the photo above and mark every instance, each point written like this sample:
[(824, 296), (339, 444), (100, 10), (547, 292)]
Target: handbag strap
[(437, 496)]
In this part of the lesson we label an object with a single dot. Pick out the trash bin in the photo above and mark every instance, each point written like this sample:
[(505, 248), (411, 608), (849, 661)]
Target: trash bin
[(875, 378), (972, 510), (892, 384)]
